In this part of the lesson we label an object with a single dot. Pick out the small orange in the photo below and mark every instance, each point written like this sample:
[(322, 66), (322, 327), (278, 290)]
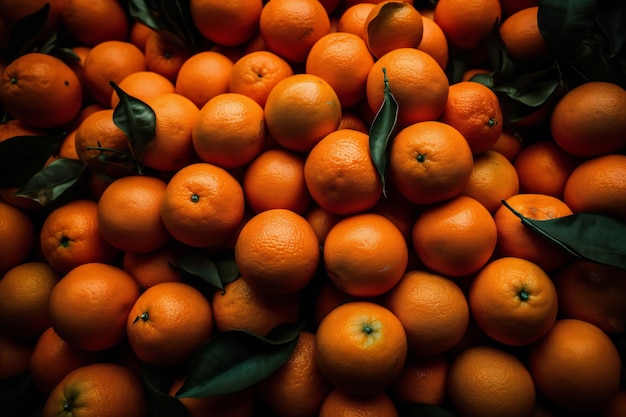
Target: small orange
[(17, 236), (321, 220), (92, 22), (14, 356), (521, 36), (142, 85), (353, 18), (328, 297), (150, 268), (391, 25), (226, 23), (339, 403), (467, 22), (399, 210), (508, 144), (139, 33), (165, 55), (204, 75), (422, 380), (361, 347), (350, 120)]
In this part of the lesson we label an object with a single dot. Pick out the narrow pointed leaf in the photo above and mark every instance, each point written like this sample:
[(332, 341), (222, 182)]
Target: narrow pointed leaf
[(140, 11), (21, 157), (591, 236), (235, 360), (160, 404), (201, 266), (564, 24), (52, 182)]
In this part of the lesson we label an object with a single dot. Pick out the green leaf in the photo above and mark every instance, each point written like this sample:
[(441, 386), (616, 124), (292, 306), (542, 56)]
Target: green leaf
[(611, 19), (564, 24), (27, 32), (160, 404), (52, 182), (201, 266), (234, 360), (423, 410), (382, 129), (591, 236), (21, 157)]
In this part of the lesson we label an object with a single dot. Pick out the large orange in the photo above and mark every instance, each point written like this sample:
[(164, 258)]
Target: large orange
[(391, 25), (226, 23), (17, 236), (92, 22), (143, 85), (521, 36), (340, 403), (165, 55), (204, 75), (467, 22), (422, 380)]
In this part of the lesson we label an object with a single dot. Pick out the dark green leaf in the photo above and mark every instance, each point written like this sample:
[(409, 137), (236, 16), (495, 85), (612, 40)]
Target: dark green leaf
[(53, 181), (591, 236), (160, 404), (422, 410), (200, 265), (27, 32), (611, 18), (382, 129), (565, 23), (21, 157), (235, 360), (140, 11), (533, 89)]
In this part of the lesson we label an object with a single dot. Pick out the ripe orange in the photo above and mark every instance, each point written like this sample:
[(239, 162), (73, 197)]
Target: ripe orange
[(204, 75), (166, 312), (430, 162), (432, 309), (17, 236), (289, 28), (361, 347), (365, 254), (150, 268), (400, 211), (321, 220), (391, 25), (226, 23), (521, 36), (340, 174), (590, 119), (576, 366), (139, 33), (508, 144), (353, 18), (99, 389), (40, 90), (350, 120), (92, 22), (14, 356), (434, 42), (143, 85), (89, 306), (416, 80), (203, 204), (339, 403), (422, 380), (493, 179), (487, 381), (300, 110), (165, 55), (467, 22)]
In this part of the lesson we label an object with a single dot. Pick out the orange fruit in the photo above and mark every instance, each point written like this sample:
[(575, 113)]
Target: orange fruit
[(150, 268), (365, 254), (300, 110), (165, 55), (590, 119), (515, 239), (399, 210), (321, 220), (143, 85), (598, 185), (343, 60), (592, 292), (543, 168), (98, 389), (493, 179), (508, 144), (521, 36), (14, 356), (277, 252), (328, 297), (139, 33), (487, 381), (70, 236), (513, 301), (230, 131), (164, 312), (391, 25), (226, 23), (416, 80), (17, 236), (204, 75), (40, 90), (289, 28), (467, 23), (432, 309), (340, 174), (236, 404), (339, 403), (110, 61), (469, 73), (68, 146), (353, 18), (297, 388), (275, 179), (576, 366), (88, 308), (14, 127), (24, 293), (617, 405), (203, 205), (360, 347), (434, 42), (422, 380), (352, 121), (93, 22), (129, 214)]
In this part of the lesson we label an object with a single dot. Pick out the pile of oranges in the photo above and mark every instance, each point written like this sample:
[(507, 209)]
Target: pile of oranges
[(417, 290)]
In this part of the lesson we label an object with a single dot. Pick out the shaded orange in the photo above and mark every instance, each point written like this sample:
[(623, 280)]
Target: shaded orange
[(397, 208), (165, 55), (226, 23), (17, 236), (150, 268), (321, 220), (236, 404), (143, 85), (351, 120), (467, 22), (508, 144), (434, 42), (352, 20), (422, 380), (339, 403), (139, 33), (521, 36), (391, 25), (14, 356), (92, 22), (203, 76)]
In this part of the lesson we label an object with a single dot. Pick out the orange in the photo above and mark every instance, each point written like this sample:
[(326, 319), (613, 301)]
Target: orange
[(70, 236), (143, 85), (172, 146), (40, 90), (14, 356), (165, 312), (521, 36), (365, 254), (297, 388), (150, 268), (350, 120), (24, 293), (515, 239), (68, 146), (493, 179), (17, 236), (277, 252), (110, 61), (14, 127), (275, 179), (592, 292), (53, 358), (429, 162), (508, 144), (422, 380), (543, 168), (343, 60), (300, 110), (165, 55), (321, 220), (353, 18), (434, 42), (329, 296), (340, 174), (456, 237), (204, 75), (339, 403), (391, 25), (576, 366), (129, 214), (226, 23), (92, 22), (236, 404), (487, 381), (471, 72), (89, 306), (598, 185), (241, 307), (139, 33), (203, 205), (467, 22), (289, 28), (590, 119), (399, 210), (230, 131), (511, 6), (360, 347), (416, 80), (99, 389)]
